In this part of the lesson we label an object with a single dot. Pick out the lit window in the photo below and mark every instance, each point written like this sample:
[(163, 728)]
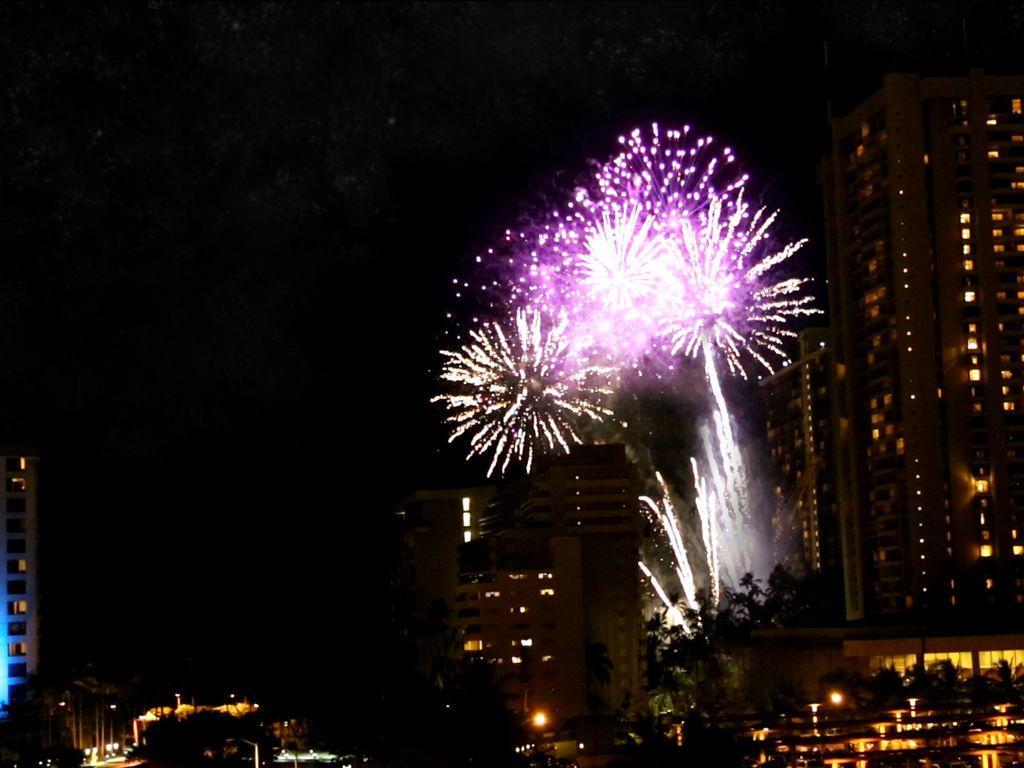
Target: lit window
[(875, 434), (968, 264), (15, 483), (1009, 405), (972, 343), (466, 519), (547, 592), (1018, 550), (975, 374), (989, 583), (965, 218), (1018, 231), (17, 608), (473, 645), (526, 642), (523, 609), (492, 594), (969, 296), (981, 486), (965, 233), (467, 536), (986, 550), (993, 153), (465, 503), (516, 660), (1015, 106), (17, 649)]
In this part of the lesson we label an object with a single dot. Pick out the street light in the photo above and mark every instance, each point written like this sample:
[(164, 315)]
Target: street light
[(540, 719), (255, 750), (836, 698)]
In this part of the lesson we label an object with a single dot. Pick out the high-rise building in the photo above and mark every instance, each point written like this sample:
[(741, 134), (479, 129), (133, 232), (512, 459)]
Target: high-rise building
[(552, 594), (799, 431), (19, 633), (433, 523), (924, 198)]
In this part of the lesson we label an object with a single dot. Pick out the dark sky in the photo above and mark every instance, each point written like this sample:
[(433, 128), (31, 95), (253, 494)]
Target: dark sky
[(225, 236)]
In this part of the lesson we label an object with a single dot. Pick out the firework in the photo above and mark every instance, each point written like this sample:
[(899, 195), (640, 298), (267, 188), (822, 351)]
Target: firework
[(664, 512), (516, 393), (721, 298)]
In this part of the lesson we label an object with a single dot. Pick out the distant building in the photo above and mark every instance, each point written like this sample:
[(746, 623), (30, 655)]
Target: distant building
[(432, 526), (800, 442), (19, 633), (924, 195), (551, 593)]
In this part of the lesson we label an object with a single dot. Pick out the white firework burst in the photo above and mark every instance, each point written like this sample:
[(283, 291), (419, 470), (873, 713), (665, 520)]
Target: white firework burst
[(515, 392)]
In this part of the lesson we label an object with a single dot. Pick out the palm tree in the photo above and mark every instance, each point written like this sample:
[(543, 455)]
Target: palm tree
[(599, 672), (1006, 682)]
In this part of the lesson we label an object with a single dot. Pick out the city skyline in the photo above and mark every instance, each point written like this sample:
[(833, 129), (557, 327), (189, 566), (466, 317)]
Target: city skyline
[(227, 241)]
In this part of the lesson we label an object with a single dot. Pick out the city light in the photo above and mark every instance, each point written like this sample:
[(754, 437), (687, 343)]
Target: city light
[(540, 719)]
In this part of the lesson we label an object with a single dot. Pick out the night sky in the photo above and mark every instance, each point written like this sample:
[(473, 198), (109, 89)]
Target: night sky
[(226, 233)]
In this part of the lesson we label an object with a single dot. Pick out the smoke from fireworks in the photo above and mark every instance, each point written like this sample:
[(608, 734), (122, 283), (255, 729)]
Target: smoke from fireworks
[(516, 393)]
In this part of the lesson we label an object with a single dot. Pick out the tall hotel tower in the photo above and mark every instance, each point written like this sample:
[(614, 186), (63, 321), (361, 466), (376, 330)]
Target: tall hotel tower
[(19, 630), (924, 198)]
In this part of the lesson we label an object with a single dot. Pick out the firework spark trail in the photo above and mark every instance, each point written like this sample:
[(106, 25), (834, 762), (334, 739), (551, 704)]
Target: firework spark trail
[(707, 510), (672, 614), (665, 513), (520, 396)]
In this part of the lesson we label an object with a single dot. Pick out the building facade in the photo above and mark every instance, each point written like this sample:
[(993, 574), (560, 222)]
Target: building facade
[(924, 204), (552, 596), (800, 443), (19, 634), (432, 524)]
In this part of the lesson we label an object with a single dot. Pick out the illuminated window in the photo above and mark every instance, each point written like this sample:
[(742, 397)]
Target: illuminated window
[(968, 264), (516, 660), (547, 591), (547, 657), (989, 583), (998, 215), (1006, 374), (15, 483), (17, 566), (17, 649), (1015, 106), (1017, 185), (975, 374), (467, 520), (17, 608), (473, 645), (965, 233), (526, 642), (972, 343), (523, 609), (545, 575), (967, 249), (465, 503), (1009, 405), (993, 153), (875, 434), (1018, 231), (492, 594), (1017, 137), (467, 536), (986, 550), (1018, 550), (981, 486), (15, 463)]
